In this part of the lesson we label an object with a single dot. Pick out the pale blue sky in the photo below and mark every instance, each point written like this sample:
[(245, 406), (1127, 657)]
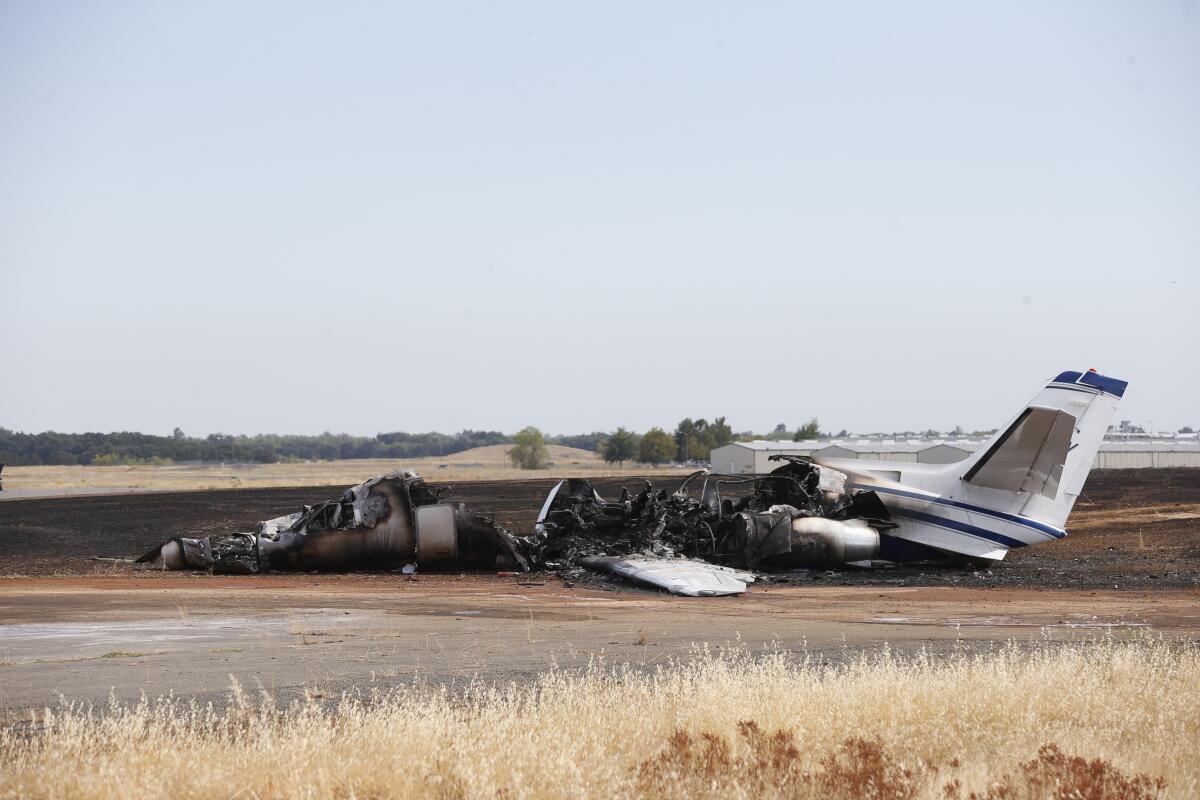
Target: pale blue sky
[(295, 217)]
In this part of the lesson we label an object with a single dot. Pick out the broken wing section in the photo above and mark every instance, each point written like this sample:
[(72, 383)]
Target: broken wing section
[(681, 576), (1029, 457)]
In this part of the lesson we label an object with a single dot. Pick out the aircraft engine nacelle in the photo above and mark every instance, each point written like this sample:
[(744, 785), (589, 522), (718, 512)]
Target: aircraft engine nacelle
[(824, 542), (783, 537)]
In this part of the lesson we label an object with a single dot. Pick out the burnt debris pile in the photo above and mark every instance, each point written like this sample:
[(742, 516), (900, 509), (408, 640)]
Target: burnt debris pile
[(578, 523), (385, 523), (799, 515)]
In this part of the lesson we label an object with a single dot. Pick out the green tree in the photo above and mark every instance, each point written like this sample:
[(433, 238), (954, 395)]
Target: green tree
[(685, 439), (718, 434), (530, 451), (584, 441), (695, 439), (657, 447), (810, 430), (619, 447), (781, 432)]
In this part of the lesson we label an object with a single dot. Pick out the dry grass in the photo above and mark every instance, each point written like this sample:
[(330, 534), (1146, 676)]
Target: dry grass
[(1098, 720), (481, 463)]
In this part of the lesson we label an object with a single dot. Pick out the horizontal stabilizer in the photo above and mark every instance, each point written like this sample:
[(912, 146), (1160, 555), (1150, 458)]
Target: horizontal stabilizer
[(1029, 456)]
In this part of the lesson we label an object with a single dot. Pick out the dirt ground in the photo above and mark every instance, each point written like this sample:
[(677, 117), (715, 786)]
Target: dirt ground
[(477, 464), (76, 628), (89, 638), (1131, 529)]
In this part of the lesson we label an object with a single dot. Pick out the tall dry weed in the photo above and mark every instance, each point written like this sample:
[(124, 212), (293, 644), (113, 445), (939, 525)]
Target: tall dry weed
[(771, 765), (1099, 720)]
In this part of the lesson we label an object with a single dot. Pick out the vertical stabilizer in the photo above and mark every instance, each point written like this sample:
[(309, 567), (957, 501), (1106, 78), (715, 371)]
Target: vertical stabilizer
[(1044, 454)]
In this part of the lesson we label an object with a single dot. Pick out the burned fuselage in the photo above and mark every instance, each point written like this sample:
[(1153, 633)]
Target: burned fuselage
[(383, 523)]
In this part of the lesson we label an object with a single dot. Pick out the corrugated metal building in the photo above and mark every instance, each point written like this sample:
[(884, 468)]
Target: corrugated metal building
[(1134, 455), (945, 453), (740, 458)]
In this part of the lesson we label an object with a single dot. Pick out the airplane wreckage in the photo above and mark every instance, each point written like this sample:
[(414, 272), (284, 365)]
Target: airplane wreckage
[(714, 533), (800, 515)]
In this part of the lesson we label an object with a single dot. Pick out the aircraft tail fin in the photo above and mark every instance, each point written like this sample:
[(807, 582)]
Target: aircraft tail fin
[(1044, 454)]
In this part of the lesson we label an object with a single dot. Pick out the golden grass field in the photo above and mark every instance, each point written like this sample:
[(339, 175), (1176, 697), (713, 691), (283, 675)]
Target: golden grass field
[(1098, 720), (480, 463)]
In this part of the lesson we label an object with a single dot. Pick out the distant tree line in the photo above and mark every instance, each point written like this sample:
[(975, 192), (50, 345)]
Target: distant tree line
[(51, 448), (581, 441), (692, 440), (140, 448)]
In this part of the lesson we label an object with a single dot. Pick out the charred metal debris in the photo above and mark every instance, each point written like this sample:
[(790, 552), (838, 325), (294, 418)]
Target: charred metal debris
[(799, 515), (387, 522)]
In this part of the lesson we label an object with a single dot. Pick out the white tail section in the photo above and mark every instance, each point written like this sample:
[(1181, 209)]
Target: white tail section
[(1044, 454)]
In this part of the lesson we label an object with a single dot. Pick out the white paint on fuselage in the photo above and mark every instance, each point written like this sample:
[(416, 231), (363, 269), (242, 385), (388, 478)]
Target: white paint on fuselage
[(927, 502)]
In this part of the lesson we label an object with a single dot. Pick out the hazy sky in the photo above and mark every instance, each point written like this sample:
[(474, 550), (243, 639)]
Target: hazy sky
[(293, 217)]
